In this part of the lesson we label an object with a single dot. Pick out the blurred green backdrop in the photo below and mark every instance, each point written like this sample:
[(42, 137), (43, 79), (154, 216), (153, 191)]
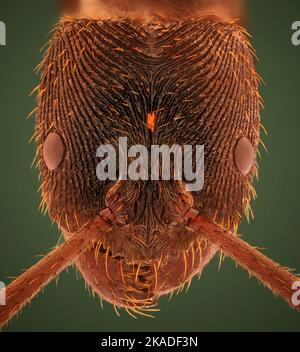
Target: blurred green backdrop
[(220, 301)]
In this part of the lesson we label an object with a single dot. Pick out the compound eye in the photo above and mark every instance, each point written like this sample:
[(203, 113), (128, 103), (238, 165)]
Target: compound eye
[(244, 156), (53, 151)]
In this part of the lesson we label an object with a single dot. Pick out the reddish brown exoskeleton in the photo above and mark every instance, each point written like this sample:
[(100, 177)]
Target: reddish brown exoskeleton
[(158, 73)]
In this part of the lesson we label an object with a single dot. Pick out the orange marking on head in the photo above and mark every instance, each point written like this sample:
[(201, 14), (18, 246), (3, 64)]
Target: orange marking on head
[(151, 121)]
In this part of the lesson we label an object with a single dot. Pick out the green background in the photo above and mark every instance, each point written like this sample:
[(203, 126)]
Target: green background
[(220, 301)]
